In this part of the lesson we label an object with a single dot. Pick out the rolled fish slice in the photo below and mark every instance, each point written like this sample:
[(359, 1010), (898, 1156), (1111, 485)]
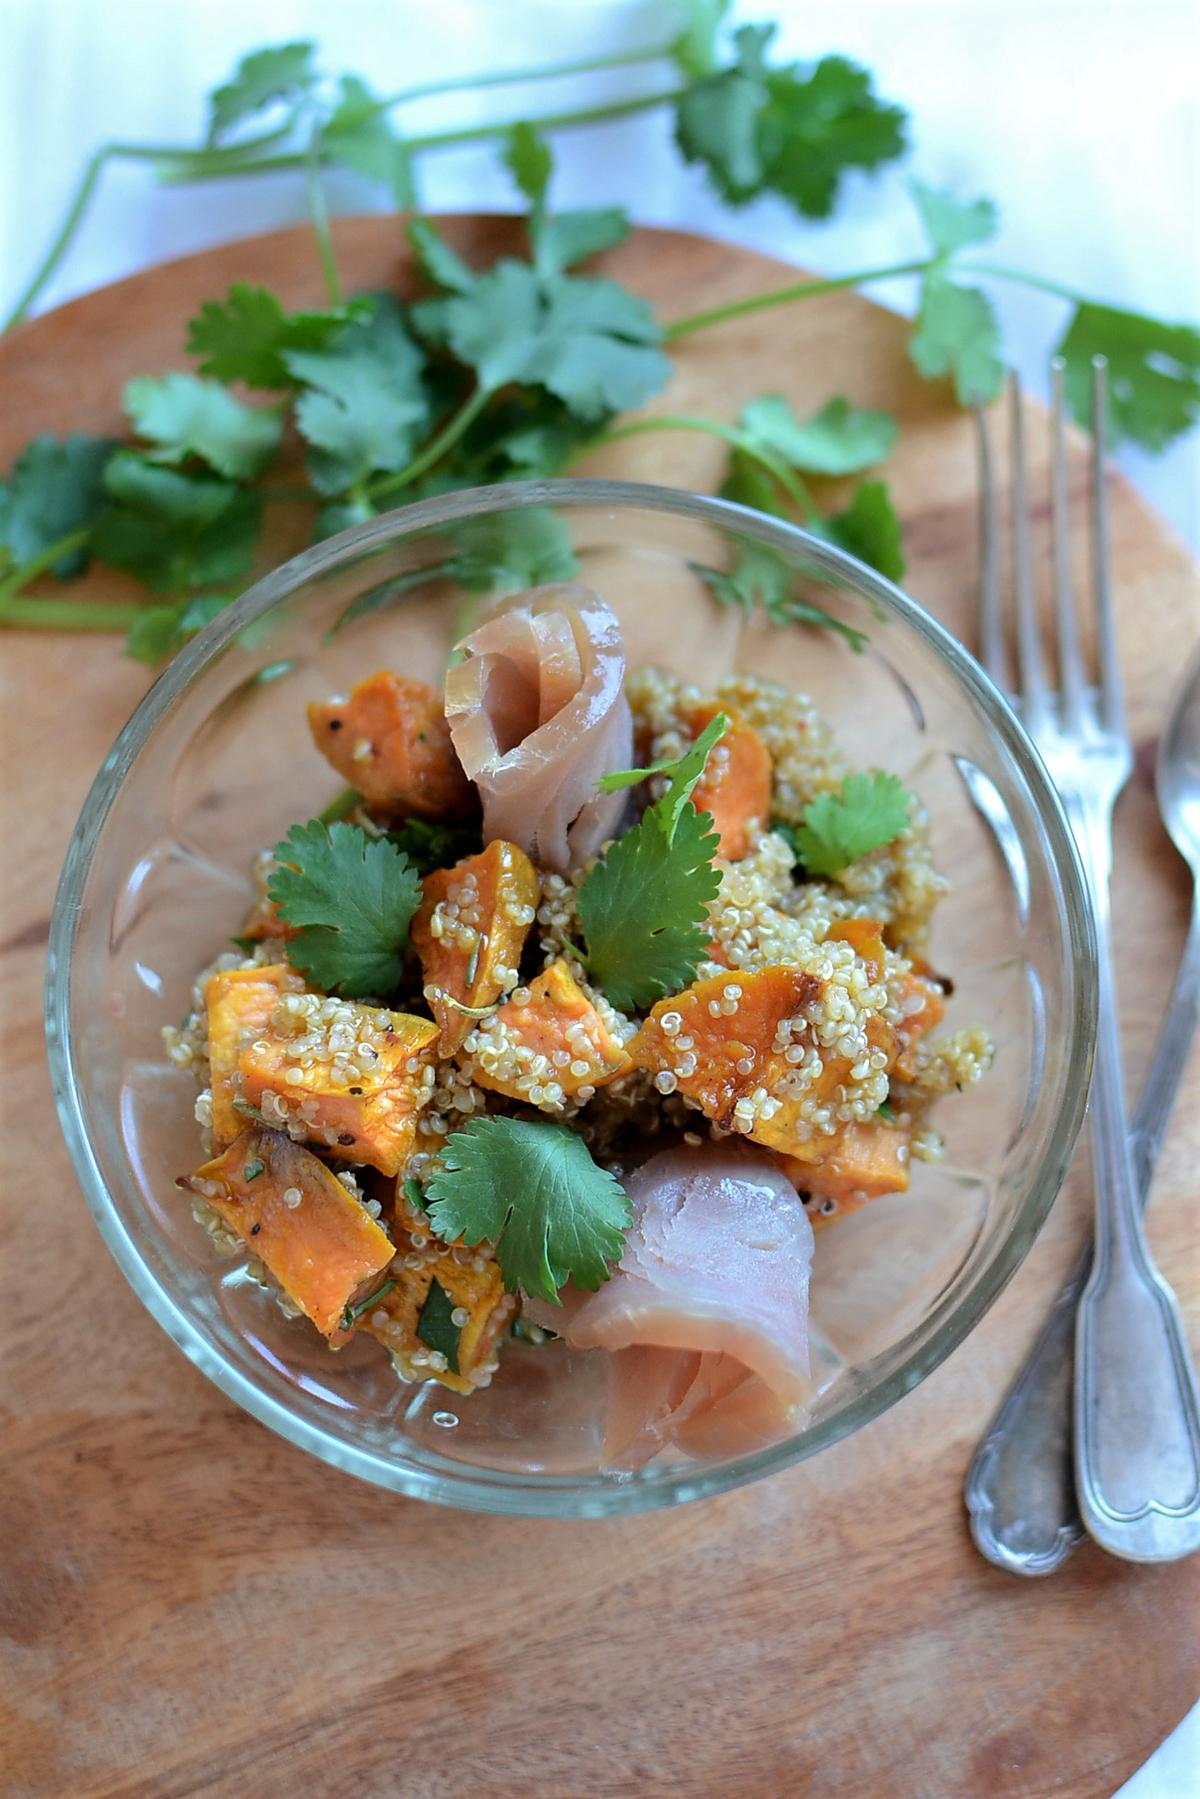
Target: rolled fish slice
[(706, 1315), (537, 712)]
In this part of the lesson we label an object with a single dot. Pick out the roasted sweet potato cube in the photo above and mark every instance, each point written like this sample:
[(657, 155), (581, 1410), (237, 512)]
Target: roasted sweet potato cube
[(715, 1041), (419, 1327), (470, 932), (785, 1127), (390, 740), (546, 1043), (352, 1077), (922, 1009), (240, 1004), (736, 784), (860, 1163), (865, 937), (321, 1245)]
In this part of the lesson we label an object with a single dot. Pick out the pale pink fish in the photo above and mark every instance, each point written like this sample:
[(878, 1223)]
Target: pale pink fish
[(707, 1312), (537, 712)]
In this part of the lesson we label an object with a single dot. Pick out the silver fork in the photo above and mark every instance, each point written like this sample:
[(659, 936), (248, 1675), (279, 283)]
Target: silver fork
[(1136, 1410)]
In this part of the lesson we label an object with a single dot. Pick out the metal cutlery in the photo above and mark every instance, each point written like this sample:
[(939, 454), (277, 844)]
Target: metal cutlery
[(1136, 1413)]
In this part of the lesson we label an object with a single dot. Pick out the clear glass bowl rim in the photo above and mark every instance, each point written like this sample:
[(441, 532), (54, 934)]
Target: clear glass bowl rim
[(542, 1495)]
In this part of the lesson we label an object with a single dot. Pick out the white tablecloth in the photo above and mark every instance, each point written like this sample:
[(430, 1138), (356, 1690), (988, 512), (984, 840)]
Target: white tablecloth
[(1083, 122)]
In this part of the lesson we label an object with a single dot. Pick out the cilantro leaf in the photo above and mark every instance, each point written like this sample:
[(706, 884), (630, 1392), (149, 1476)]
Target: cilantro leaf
[(783, 129), (644, 908), (436, 1327), (528, 432), (186, 416), (365, 404), (1153, 373), (685, 771), (503, 552), (840, 439), (952, 224), (869, 529), (352, 897), (161, 631), (243, 337), (526, 156), (443, 266), (564, 239), (174, 530), (359, 137), (534, 1191), (56, 487), (957, 334), (585, 339), (428, 846), (839, 828), (762, 577), (695, 49), (277, 73)]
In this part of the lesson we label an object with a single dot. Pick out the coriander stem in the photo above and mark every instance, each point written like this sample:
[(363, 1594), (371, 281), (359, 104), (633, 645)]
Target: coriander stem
[(37, 565), (87, 185), (318, 208), (1042, 282), (782, 296), (586, 65), (554, 121), (62, 238), (66, 615), (470, 134), (730, 434), (339, 807), (436, 448)]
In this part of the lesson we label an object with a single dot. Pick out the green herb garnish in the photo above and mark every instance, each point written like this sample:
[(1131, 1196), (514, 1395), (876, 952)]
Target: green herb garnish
[(352, 898), (868, 811), (253, 1169), (534, 1191), (436, 1327), (353, 1313)]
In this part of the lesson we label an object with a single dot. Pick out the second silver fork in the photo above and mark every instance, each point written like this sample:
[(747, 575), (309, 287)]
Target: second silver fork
[(1136, 1410)]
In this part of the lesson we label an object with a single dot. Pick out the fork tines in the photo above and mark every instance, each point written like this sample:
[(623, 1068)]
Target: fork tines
[(1073, 702)]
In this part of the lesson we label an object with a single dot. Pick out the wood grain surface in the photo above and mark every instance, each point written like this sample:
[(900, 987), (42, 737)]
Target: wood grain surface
[(188, 1605)]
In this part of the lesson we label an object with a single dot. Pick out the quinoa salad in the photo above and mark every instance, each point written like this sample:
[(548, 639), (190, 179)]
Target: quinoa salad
[(570, 1017)]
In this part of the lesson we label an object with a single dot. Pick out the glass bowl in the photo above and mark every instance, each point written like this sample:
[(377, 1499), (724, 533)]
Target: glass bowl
[(217, 761)]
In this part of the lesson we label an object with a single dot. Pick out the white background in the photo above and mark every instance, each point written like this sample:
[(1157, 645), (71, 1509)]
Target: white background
[(1080, 118)]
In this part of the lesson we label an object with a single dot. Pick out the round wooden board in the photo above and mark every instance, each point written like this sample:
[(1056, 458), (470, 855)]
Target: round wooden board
[(189, 1605)]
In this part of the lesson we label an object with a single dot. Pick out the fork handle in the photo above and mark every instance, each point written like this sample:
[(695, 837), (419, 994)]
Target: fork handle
[(1137, 1410), (1020, 1489)]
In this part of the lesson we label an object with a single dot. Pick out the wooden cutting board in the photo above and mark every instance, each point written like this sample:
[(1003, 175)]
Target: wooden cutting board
[(188, 1605)]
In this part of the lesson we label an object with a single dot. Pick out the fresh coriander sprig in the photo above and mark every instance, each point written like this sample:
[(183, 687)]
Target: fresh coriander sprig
[(839, 828), (533, 1190), (353, 1313), (644, 907), (351, 899)]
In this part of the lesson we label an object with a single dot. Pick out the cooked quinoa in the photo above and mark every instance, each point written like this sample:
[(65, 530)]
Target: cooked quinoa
[(850, 1048)]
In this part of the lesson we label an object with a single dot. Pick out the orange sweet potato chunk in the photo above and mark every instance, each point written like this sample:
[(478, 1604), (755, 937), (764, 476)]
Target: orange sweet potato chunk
[(865, 937), (922, 1009), (322, 1246), (240, 1003), (390, 740), (479, 1291), (363, 1099), (551, 1037), (716, 1038), (470, 929), (860, 1163), (736, 784)]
